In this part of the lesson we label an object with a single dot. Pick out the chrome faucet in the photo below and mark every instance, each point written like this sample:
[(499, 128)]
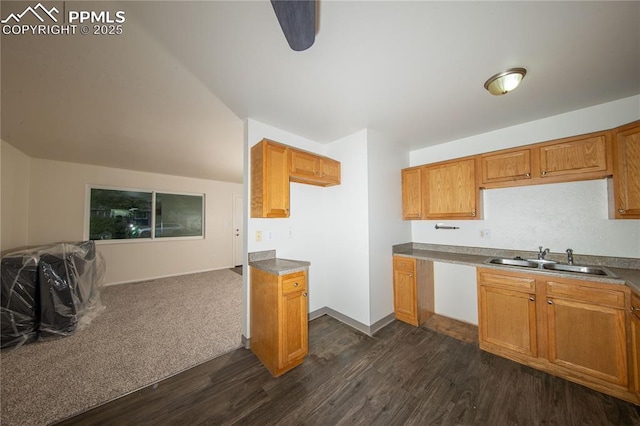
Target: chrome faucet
[(542, 253), (570, 256)]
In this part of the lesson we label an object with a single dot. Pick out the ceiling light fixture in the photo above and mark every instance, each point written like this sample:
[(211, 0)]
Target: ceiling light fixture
[(506, 81)]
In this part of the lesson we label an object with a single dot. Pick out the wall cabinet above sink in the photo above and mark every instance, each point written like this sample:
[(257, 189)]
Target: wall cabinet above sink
[(428, 193), (576, 158)]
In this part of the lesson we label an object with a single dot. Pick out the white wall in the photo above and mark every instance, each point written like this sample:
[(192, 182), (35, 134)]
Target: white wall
[(57, 207), (455, 291), (347, 230), (15, 166), (557, 216), (386, 227)]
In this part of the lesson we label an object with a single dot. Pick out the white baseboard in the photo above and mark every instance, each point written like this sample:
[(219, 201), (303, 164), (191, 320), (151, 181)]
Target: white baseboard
[(166, 276), (369, 330)]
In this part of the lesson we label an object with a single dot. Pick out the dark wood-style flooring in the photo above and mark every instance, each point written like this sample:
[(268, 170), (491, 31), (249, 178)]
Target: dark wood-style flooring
[(402, 375)]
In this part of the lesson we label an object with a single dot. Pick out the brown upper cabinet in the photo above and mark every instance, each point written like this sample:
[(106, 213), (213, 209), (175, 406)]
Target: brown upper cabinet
[(626, 172), (269, 180), (451, 190), (412, 200), (445, 190), (576, 158), (274, 165), (306, 167), (506, 166)]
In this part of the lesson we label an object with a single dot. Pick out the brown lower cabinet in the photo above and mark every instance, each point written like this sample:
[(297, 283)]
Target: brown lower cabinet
[(567, 327), (279, 319), (413, 301)]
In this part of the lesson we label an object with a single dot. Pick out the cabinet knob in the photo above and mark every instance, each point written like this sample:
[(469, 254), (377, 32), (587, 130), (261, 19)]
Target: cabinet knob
[(633, 309), (550, 302), (296, 284), (532, 299), (473, 213), (411, 274), (620, 210), (544, 173), (527, 175), (304, 294)]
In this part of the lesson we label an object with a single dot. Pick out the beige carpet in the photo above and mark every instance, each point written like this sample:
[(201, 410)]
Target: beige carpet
[(147, 332)]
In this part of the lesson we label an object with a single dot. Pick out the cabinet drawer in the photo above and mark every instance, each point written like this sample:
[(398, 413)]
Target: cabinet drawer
[(605, 297), (293, 283), (404, 264), (511, 282)]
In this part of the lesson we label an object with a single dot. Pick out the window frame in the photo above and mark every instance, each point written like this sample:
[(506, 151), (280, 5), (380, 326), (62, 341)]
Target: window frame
[(152, 238)]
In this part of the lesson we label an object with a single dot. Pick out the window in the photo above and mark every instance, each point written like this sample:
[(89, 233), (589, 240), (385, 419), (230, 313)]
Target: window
[(119, 214)]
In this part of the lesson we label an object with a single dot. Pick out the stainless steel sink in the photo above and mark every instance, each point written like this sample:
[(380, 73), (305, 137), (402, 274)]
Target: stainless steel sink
[(551, 265), (590, 270), (513, 262)]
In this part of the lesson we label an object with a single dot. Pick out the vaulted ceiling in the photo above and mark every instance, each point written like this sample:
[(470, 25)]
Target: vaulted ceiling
[(170, 94)]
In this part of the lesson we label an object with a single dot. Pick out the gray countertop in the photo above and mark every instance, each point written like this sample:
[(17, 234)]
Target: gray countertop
[(627, 276), (277, 266)]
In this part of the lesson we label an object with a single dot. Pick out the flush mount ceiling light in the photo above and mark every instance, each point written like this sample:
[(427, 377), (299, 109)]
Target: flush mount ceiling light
[(506, 81)]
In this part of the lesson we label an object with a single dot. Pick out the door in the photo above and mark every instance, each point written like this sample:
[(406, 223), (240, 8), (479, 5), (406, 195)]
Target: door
[(574, 157), (412, 193), (238, 230), (451, 190), (588, 338), (627, 172), (294, 320), (508, 320)]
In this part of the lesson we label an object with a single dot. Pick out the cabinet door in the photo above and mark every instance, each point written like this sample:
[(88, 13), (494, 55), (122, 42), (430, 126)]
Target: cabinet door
[(412, 193), (294, 332), (626, 177), (506, 166), (304, 164), (269, 180), (405, 296), (507, 320), (588, 338), (330, 171), (312, 169), (451, 190), (575, 156), (634, 330)]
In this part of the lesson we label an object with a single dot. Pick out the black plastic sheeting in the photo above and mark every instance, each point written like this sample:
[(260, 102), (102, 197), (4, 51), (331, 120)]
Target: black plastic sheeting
[(49, 291)]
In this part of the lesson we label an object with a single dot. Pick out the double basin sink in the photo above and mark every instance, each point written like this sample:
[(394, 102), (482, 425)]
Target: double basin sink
[(551, 265)]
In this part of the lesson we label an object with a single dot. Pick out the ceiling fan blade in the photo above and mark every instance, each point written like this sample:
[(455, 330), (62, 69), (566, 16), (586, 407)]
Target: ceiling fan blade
[(297, 19)]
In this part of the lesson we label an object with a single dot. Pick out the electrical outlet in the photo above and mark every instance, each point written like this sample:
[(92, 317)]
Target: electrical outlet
[(485, 233), (258, 236), (269, 235)]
